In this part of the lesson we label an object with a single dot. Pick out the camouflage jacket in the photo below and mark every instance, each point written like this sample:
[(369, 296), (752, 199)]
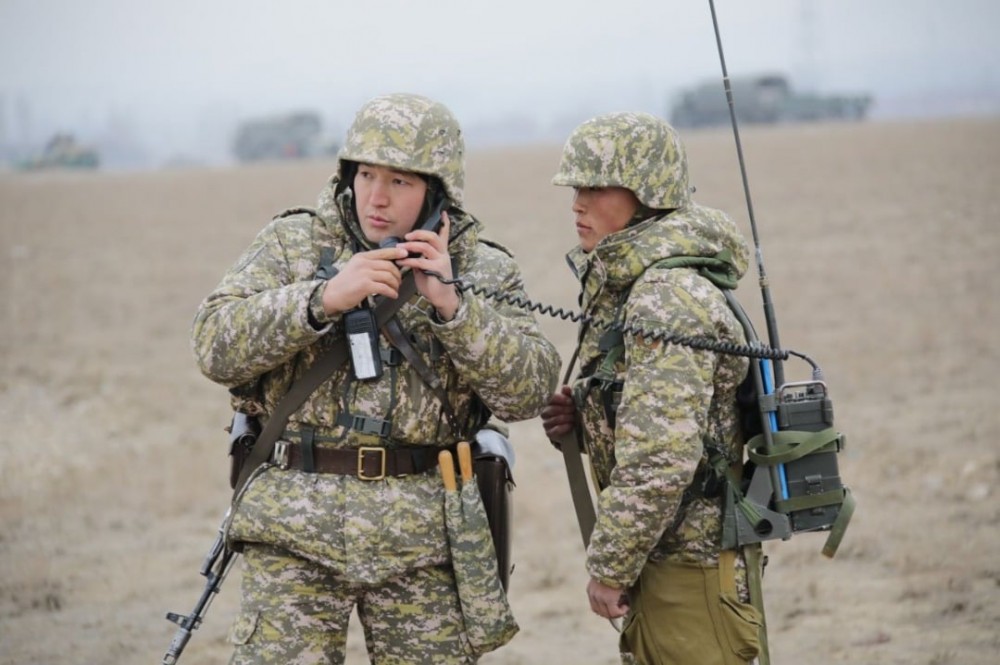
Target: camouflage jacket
[(253, 333), (672, 396)]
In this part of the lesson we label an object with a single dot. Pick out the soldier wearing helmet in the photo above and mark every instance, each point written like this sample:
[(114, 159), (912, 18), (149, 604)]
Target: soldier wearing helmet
[(652, 413), (350, 518)]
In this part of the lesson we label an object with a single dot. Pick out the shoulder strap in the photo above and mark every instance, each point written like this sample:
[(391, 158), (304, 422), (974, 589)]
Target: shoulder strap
[(313, 378), (394, 332)]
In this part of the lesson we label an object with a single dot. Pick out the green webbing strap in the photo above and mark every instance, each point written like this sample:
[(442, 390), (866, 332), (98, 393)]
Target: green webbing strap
[(809, 501), (790, 445), (839, 525), (583, 503), (755, 570), (753, 553), (569, 445), (717, 269), (321, 369)]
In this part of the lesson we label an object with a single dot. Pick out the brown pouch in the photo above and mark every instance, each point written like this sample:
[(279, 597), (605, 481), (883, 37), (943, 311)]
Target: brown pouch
[(493, 459), (496, 486)]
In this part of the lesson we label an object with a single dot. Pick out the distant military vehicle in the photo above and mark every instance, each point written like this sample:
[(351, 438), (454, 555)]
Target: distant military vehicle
[(62, 151), (290, 136), (766, 98)]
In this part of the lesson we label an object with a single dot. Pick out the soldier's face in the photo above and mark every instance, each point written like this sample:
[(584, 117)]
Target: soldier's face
[(601, 211), (388, 201)]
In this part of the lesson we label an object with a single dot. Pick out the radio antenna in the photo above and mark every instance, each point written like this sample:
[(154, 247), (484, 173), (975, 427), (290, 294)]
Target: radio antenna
[(765, 290)]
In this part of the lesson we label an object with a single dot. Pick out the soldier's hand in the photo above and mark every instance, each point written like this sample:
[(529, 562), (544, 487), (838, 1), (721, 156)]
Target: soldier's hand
[(364, 274), (559, 415), (607, 601), (428, 253)]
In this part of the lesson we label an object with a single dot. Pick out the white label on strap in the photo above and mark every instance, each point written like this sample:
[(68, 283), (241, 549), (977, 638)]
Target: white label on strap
[(361, 355)]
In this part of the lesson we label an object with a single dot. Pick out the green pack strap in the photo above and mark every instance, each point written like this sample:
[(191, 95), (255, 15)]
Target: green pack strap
[(809, 501), (606, 370), (839, 525), (717, 269), (790, 445), (754, 555)]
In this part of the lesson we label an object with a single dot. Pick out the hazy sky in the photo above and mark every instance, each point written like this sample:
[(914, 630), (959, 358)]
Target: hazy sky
[(184, 68)]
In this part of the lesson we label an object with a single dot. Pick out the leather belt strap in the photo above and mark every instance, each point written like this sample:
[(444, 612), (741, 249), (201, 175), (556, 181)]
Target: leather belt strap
[(367, 463)]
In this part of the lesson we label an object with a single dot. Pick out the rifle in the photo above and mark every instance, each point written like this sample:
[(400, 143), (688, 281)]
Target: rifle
[(250, 447), (215, 567)]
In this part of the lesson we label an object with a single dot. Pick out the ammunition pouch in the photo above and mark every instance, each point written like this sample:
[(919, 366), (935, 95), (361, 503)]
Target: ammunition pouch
[(243, 433), (492, 460)]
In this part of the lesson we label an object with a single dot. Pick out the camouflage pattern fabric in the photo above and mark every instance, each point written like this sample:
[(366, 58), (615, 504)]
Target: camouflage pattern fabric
[(672, 396), (295, 612), (637, 151), (256, 333), (489, 622), (412, 133), (255, 327)]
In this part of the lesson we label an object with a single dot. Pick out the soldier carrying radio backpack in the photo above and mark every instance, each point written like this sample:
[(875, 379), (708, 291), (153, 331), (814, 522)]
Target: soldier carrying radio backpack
[(674, 547)]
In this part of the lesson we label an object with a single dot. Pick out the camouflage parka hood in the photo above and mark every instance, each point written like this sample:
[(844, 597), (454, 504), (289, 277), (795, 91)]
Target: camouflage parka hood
[(694, 231)]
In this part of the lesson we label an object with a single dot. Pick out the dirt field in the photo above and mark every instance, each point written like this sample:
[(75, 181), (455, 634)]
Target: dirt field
[(881, 244)]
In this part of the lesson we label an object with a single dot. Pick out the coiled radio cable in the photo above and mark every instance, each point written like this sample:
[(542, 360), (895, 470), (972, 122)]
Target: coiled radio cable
[(758, 350)]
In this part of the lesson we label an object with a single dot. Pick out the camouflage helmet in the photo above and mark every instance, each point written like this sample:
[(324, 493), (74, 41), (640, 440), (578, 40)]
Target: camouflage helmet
[(410, 133), (637, 151)]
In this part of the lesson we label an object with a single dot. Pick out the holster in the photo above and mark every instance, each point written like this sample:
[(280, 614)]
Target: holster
[(496, 486), (243, 433)]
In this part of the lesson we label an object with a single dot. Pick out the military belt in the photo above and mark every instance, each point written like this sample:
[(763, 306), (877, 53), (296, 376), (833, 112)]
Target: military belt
[(364, 462)]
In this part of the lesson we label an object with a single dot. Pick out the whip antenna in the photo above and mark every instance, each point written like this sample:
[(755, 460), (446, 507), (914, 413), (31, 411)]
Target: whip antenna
[(765, 290)]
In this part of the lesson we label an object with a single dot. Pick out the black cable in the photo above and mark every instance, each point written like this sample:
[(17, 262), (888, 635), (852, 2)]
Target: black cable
[(694, 342)]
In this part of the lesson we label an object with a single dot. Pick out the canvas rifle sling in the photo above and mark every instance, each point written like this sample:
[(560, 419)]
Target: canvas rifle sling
[(313, 378), (569, 445)]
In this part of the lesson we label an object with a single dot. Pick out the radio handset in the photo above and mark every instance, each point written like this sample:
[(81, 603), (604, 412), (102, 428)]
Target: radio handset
[(432, 222)]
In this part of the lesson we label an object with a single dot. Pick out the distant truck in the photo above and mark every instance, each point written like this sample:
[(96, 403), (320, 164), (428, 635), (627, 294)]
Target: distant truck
[(290, 136), (62, 151), (764, 99)]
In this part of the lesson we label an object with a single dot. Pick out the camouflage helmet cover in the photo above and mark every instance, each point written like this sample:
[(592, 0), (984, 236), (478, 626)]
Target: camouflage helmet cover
[(637, 151), (410, 133)]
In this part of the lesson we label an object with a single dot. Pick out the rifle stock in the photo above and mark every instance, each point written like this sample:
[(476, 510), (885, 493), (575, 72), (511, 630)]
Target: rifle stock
[(214, 568)]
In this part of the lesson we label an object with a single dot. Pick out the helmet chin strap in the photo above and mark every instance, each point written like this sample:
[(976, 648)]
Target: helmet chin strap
[(348, 169)]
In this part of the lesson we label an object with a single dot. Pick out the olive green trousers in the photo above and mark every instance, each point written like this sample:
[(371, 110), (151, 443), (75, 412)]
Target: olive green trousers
[(689, 614)]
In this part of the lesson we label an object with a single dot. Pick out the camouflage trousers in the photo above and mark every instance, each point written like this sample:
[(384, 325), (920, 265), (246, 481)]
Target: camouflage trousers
[(686, 613), (295, 612)]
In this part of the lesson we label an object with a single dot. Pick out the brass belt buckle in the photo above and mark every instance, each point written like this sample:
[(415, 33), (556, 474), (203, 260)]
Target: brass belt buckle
[(361, 463)]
